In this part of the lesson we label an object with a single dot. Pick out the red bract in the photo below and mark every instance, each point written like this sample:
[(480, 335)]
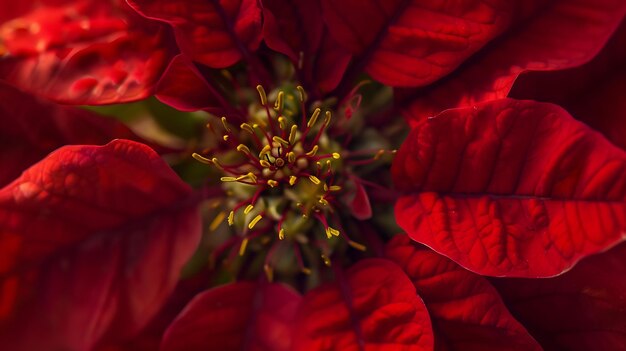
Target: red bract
[(83, 52), (92, 240), (466, 311), (236, 316), (216, 33), (511, 188), (556, 35), (373, 306), (31, 129), (581, 310)]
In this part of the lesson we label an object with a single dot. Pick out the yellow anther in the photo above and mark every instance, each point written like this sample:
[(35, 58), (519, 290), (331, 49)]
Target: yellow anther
[(323, 201), (326, 260), (357, 246), (334, 188), (292, 134), (225, 137), (248, 128), (315, 180), (242, 248), (306, 271), (228, 179), (265, 150), (272, 183), (280, 140), (292, 180), (291, 157), (215, 161), (254, 221), (231, 218), (336, 155), (243, 148), (325, 187), (217, 221), (248, 209), (327, 118), (282, 122), (201, 159), (332, 231), (314, 117), (251, 176), (302, 93), (313, 151), (281, 234), (269, 272), (225, 124), (265, 164), (262, 95), (278, 104)]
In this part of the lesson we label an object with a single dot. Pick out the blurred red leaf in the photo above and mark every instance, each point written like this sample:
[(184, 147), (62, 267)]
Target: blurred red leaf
[(236, 316), (467, 312), (32, 128), (511, 188), (212, 32), (83, 52), (583, 309), (373, 307), (557, 35), (92, 240)]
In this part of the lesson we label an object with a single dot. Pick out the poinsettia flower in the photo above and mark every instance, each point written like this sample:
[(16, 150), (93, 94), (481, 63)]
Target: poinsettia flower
[(82, 52)]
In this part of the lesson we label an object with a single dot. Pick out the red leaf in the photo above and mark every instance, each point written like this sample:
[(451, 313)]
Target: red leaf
[(373, 307), (593, 93), (31, 129), (238, 316), (212, 32), (414, 42), (466, 311), (183, 88), (511, 188), (92, 240), (558, 35), (583, 309), (83, 52), (360, 204)]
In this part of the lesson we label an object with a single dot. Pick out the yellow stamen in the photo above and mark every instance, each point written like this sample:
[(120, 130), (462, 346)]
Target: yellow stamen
[(265, 150), (255, 221), (313, 151), (217, 221), (225, 124), (336, 155), (292, 134), (281, 122), (334, 188), (248, 128), (332, 231), (280, 140), (291, 157), (314, 116), (281, 234), (265, 164), (243, 148), (326, 260), (248, 209), (225, 137), (242, 248), (278, 104), (323, 201), (315, 180), (262, 95), (202, 159), (231, 218), (228, 179), (357, 246), (272, 183), (292, 180), (327, 119), (302, 93)]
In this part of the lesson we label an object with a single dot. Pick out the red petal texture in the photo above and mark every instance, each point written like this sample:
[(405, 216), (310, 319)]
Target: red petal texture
[(374, 307), (83, 52), (184, 88), (415, 42), (31, 129), (583, 309), (559, 34), (92, 240), (213, 32), (511, 188), (238, 316), (466, 311), (593, 93)]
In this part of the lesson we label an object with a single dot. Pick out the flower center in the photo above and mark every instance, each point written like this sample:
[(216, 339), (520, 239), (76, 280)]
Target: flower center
[(285, 176)]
